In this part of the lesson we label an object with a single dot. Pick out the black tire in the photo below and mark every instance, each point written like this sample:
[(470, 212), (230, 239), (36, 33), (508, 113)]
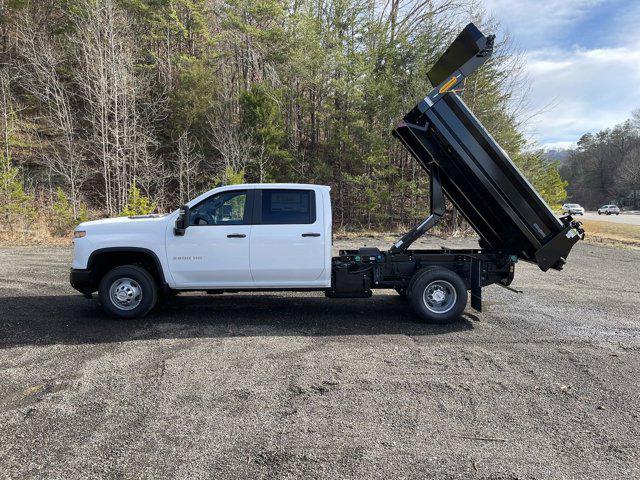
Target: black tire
[(445, 281), (137, 280)]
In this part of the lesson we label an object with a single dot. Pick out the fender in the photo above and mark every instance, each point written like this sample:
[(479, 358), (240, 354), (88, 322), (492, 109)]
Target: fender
[(163, 281)]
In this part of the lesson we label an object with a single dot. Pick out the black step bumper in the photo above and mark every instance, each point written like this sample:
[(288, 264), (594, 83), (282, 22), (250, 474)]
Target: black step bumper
[(81, 280)]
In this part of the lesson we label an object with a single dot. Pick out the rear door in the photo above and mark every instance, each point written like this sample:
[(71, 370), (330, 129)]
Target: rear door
[(287, 238)]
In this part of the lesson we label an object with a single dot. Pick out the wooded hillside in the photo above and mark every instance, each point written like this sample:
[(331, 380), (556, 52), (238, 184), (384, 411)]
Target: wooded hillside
[(605, 167), (133, 105)]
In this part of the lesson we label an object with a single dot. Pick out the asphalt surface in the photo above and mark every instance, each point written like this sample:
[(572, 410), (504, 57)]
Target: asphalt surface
[(542, 384), (626, 218)]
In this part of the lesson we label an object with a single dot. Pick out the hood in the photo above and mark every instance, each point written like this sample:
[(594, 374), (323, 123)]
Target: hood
[(122, 221)]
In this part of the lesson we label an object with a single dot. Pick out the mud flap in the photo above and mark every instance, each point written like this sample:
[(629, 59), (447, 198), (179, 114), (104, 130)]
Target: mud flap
[(476, 288)]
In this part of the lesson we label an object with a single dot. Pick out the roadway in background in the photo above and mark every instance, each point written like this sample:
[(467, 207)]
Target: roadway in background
[(626, 218)]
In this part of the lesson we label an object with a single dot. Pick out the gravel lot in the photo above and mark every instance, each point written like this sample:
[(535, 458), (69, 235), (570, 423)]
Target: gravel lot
[(543, 384)]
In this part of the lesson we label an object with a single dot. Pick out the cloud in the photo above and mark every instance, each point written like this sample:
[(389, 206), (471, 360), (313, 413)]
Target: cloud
[(585, 90), (583, 61), (559, 145), (541, 22)]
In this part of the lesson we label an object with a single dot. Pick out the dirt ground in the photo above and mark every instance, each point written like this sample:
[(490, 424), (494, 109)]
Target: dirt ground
[(542, 384)]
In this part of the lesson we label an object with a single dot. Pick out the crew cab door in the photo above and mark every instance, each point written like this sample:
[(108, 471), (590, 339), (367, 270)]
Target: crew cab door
[(214, 251), (288, 238)]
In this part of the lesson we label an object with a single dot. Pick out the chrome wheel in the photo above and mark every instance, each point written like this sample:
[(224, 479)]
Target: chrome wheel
[(125, 293), (439, 296)]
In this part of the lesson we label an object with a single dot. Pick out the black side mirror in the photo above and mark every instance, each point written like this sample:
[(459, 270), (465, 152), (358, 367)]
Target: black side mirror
[(182, 222)]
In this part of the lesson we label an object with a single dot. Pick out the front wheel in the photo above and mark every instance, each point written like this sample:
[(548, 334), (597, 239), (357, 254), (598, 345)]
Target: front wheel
[(127, 292), (438, 295)]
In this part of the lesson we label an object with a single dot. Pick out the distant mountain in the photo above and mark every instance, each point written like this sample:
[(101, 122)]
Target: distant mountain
[(558, 154)]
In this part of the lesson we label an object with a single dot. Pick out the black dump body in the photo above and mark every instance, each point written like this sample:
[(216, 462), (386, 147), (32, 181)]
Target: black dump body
[(466, 165), (476, 175)]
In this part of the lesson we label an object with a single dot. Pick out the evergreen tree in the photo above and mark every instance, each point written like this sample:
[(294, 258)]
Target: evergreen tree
[(17, 207), (62, 219), (137, 204)]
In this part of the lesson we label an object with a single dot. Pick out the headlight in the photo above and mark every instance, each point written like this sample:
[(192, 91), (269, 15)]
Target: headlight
[(79, 233)]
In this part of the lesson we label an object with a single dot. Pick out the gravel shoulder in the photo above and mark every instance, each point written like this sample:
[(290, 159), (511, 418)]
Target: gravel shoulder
[(542, 384)]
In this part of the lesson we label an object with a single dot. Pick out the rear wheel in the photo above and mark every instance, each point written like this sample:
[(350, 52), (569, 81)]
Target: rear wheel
[(128, 292), (438, 295)]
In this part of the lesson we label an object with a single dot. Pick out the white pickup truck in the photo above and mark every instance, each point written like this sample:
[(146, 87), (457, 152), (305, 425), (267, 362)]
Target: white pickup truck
[(278, 236), (240, 237), (253, 237)]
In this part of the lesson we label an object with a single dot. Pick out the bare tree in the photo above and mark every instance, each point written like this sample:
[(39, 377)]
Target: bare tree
[(38, 69), (233, 144), (629, 174), (188, 160), (6, 113), (112, 89)]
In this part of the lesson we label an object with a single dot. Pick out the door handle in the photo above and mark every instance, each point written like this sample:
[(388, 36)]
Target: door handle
[(236, 235), (310, 234)]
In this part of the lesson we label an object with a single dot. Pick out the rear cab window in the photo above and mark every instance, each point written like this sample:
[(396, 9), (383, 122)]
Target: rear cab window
[(285, 207)]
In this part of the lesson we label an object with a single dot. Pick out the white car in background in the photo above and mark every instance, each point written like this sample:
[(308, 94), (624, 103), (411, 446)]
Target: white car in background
[(572, 209), (609, 210)]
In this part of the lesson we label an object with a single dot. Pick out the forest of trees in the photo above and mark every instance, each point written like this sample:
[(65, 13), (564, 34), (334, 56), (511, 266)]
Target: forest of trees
[(605, 167), (120, 106)]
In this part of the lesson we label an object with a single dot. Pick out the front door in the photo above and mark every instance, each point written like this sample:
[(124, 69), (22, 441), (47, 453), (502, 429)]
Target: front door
[(214, 251), (287, 238)]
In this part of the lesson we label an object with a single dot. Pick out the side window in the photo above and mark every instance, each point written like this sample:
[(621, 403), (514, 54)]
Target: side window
[(226, 208), (286, 206)]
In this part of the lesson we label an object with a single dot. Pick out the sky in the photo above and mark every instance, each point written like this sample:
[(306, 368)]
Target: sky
[(582, 60)]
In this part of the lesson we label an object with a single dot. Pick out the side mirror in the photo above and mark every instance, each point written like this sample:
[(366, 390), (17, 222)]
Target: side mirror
[(182, 222)]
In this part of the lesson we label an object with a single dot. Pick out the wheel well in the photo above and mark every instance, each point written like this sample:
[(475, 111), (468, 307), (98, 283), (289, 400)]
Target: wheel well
[(101, 262)]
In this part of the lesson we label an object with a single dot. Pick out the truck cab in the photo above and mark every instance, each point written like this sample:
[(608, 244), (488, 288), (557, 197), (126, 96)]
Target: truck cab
[(250, 236), (258, 236)]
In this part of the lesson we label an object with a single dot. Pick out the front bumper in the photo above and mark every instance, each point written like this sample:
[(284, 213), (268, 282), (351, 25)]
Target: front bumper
[(80, 279)]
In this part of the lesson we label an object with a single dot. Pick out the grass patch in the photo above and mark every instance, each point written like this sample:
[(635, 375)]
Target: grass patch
[(610, 232), (38, 234)]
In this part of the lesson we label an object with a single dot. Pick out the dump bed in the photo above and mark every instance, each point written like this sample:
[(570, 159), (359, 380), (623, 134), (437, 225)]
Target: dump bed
[(477, 175)]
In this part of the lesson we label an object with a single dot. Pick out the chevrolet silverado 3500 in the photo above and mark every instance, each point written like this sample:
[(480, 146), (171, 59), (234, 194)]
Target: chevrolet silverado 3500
[(279, 236)]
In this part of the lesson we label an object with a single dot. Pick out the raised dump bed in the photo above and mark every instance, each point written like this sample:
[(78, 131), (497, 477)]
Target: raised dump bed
[(476, 174)]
